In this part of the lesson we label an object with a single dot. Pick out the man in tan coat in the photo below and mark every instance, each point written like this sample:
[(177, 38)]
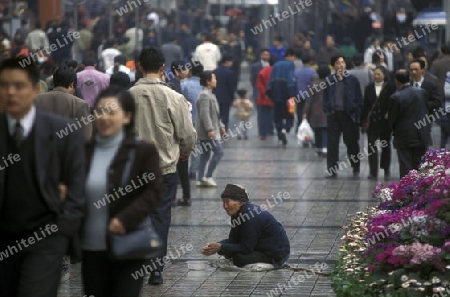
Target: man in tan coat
[(61, 101), (162, 117)]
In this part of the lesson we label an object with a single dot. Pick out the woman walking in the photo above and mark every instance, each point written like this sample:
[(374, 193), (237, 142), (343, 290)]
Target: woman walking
[(374, 121), (116, 162), (313, 112), (209, 130)]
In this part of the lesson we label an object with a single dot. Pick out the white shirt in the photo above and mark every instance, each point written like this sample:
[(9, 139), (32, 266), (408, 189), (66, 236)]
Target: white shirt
[(378, 88), (369, 52), (265, 64), (208, 54), (122, 68), (108, 56), (26, 122), (418, 84)]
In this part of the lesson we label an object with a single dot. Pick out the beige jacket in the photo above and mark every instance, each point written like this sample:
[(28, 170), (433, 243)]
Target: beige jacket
[(162, 117)]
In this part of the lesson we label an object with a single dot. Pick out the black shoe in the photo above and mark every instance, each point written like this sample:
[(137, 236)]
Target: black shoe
[(283, 138), (184, 202), (356, 172), (372, 177), (239, 138), (334, 175), (155, 278)]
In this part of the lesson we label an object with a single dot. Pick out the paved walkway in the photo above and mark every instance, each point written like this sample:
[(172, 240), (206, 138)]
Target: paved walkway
[(313, 217)]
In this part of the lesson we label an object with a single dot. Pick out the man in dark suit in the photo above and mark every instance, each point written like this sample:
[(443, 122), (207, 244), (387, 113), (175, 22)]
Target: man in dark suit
[(342, 103), (225, 87), (434, 94), (407, 107), (36, 220)]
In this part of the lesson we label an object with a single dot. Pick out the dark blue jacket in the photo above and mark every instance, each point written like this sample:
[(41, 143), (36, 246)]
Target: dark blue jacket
[(281, 84), (225, 88), (256, 230), (353, 100)]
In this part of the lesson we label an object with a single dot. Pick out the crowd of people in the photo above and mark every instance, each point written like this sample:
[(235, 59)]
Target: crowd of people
[(141, 110)]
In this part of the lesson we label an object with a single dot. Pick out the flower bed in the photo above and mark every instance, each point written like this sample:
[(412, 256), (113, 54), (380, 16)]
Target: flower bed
[(402, 246)]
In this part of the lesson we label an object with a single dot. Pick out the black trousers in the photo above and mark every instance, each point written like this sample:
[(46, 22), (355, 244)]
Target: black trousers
[(224, 109), (162, 216), (35, 270), (409, 158), (337, 123), (103, 277), (183, 176), (372, 149)]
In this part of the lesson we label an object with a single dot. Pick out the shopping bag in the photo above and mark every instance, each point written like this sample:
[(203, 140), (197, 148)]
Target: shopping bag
[(305, 132)]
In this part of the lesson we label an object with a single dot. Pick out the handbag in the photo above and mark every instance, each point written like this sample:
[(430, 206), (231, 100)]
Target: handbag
[(144, 242)]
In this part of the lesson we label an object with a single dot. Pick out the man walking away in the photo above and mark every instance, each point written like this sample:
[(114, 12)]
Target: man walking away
[(162, 117), (408, 106), (282, 87), (225, 88)]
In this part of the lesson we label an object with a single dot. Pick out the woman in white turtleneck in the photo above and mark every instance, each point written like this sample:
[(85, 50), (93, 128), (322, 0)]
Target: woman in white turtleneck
[(374, 121)]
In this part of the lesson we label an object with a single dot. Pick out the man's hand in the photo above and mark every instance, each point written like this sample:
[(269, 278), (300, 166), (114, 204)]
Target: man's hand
[(184, 157), (62, 192), (305, 116), (116, 226), (211, 248), (211, 134), (222, 131)]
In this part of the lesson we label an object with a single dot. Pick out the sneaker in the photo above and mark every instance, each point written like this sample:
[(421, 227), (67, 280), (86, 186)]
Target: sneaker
[(184, 202), (283, 137), (209, 182), (200, 183)]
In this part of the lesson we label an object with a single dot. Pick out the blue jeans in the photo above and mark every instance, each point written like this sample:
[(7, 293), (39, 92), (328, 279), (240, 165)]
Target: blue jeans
[(195, 159), (265, 120), (209, 145)]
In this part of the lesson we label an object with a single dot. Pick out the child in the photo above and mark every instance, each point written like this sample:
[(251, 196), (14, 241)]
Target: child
[(244, 108)]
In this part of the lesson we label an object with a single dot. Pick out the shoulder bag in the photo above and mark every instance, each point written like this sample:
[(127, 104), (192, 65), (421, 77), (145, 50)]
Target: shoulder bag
[(144, 242)]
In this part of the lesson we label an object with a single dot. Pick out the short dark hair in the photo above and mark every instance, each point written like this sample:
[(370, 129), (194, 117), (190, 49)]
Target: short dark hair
[(120, 80), (197, 68), (306, 58), (358, 59), (151, 59), (334, 59), (402, 76), (64, 77), (89, 61), (278, 38), (290, 52), (421, 63), (226, 58), (323, 71), (205, 77), (71, 64), (241, 92), (37, 25), (264, 50), (126, 102), (273, 60), (177, 66), (24, 63)]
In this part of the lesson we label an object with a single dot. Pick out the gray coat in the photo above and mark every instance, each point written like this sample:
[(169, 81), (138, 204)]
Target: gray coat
[(172, 52), (60, 102), (208, 115)]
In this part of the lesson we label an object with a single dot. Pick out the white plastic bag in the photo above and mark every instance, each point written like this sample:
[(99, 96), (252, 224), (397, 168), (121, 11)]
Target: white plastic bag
[(305, 133)]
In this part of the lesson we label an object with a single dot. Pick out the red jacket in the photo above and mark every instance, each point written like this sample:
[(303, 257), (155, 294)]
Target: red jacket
[(261, 83)]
